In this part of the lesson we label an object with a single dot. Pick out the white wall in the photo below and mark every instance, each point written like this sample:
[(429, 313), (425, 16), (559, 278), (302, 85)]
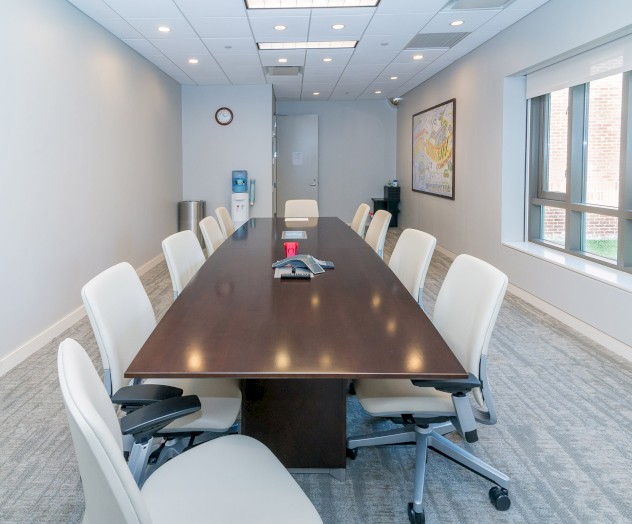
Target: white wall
[(211, 151), (490, 156), (356, 157), (90, 162)]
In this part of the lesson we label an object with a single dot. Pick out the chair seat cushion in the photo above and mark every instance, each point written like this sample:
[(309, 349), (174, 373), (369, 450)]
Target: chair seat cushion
[(394, 397), (220, 399), (232, 479)]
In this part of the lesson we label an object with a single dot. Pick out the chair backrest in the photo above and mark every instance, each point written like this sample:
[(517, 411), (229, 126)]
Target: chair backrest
[(301, 208), (225, 222), (184, 257), (376, 233), (122, 318), (410, 259), (358, 224), (467, 307), (111, 495), (212, 234)]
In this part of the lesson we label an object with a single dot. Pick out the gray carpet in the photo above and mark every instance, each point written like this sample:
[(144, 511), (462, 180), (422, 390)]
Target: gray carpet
[(563, 436)]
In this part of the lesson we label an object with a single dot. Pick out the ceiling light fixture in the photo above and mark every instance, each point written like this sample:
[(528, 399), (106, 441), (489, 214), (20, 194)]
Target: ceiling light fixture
[(418, 57), (282, 60), (315, 93), (328, 59), (342, 44), (456, 23), (164, 29), (338, 26), (308, 4), (280, 27), (193, 61), (378, 92), (393, 78)]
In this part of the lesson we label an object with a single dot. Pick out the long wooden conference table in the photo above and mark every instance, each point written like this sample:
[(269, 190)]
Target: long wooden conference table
[(296, 343)]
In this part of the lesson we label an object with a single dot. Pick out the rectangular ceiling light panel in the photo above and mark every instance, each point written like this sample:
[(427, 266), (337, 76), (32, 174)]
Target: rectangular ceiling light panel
[(343, 44), (308, 4)]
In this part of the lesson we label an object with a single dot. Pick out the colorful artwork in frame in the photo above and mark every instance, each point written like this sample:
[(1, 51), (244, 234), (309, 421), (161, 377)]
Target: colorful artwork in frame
[(433, 150)]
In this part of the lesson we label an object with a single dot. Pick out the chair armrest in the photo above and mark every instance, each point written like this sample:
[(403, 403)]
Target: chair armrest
[(148, 420), (133, 397), (450, 385)]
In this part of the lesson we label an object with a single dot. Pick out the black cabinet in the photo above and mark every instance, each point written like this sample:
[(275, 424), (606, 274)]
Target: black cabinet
[(390, 203)]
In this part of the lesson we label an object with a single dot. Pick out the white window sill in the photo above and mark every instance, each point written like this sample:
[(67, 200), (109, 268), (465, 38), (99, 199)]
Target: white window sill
[(612, 277)]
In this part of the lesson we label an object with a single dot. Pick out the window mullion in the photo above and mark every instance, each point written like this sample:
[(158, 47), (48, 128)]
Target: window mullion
[(575, 165)]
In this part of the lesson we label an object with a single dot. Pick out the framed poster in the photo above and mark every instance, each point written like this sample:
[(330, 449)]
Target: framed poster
[(433, 150)]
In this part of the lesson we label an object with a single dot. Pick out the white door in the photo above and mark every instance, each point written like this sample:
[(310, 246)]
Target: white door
[(297, 159)]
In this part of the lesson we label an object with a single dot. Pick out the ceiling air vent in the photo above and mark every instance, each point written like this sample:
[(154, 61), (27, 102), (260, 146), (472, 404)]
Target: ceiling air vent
[(283, 70), (435, 40)]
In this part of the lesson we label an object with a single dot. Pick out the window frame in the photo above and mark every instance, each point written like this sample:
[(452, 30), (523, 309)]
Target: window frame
[(573, 201)]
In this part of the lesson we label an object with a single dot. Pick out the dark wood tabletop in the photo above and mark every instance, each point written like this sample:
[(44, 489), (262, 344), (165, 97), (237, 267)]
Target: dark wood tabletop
[(235, 320)]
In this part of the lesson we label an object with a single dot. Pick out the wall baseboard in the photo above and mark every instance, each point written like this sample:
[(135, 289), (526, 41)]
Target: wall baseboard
[(8, 362), (601, 338)]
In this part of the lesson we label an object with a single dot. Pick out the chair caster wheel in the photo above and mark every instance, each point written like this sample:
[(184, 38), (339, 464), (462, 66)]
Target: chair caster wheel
[(499, 498), (352, 453), (414, 517)]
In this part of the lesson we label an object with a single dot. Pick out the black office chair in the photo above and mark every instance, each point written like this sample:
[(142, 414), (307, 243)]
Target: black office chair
[(465, 313)]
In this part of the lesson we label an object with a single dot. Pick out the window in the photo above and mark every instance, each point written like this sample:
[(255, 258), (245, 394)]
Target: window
[(580, 170)]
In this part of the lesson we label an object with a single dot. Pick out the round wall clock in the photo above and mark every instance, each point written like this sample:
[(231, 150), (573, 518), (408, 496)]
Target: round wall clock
[(224, 116)]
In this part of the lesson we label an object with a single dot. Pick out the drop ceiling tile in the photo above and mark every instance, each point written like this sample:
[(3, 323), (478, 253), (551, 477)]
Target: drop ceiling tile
[(440, 23), (246, 77), (236, 62), (120, 28), (527, 4), (407, 23), (197, 9), (475, 39), (148, 27), (95, 9), (289, 92), (386, 75), (143, 46), (504, 19), (263, 28), (232, 27), (405, 69), (343, 11), (204, 78), (381, 58), (406, 56), (144, 8), (380, 43), (180, 46), (315, 76), (354, 27), (294, 57), (230, 46), (409, 6), (310, 88), (314, 58)]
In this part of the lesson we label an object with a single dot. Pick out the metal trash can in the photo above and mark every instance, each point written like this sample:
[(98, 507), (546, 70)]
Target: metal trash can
[(190, 212)]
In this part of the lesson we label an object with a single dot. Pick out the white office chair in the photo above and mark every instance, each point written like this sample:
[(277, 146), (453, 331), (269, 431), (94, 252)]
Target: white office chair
[(225, 222), (122, 318), (233, 479), (184, 257), (465, 314), (212, 234), (301, 208), (376, 233), (358, 224), (410, 260)]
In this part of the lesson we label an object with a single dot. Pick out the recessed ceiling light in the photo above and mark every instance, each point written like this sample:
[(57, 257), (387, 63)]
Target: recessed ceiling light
[(393, 78), (378, 92), (342, 44), (418, 57), (338, 26), (328, 59), (164, 29), (315, 93), (193, 60), (282, 60), (308, 4), (456, 23), (280, 27)]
